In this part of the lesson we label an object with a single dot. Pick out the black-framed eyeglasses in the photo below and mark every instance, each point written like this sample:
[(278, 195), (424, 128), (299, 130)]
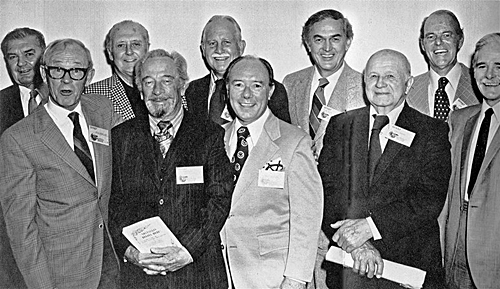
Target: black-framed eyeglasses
[(75, 73)]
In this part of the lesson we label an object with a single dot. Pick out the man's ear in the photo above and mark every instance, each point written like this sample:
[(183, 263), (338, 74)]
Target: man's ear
[(90, 76), (42, 73), (110, 55), (460, 43), (271, 91), (242, 46), (409, 84)]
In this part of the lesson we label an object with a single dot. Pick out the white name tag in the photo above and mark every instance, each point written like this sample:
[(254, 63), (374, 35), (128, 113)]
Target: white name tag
[(327, 112), (99, 135), (399, 135), (189, 175), (271, 179), (458, 104), (226, 115)]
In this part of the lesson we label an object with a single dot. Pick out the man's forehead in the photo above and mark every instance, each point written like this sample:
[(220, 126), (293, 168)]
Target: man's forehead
[(221, 26), (70, 55), (250, 68), (128, 30), (439, 22), (159, 64), (24, 43)]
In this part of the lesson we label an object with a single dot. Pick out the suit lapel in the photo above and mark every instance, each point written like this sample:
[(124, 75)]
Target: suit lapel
[(263, 151), (302, 94), (464, 160), (464, 90), (358, 152), (95, 119)]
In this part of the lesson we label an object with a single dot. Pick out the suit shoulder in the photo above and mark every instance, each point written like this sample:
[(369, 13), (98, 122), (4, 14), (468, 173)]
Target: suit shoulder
[(101, 102), (6, 91), (298, 74), (195, 84), (99, 86)]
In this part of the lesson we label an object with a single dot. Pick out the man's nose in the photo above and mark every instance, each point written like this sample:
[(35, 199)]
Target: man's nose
[(128, 49), (157, 89), (22, 60)]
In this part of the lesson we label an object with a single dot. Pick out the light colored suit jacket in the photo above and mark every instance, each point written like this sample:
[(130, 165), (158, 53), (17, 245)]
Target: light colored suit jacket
[(56, 216), (483, 216), (347, 95), (418, 97), (112, 88), (273, 232)]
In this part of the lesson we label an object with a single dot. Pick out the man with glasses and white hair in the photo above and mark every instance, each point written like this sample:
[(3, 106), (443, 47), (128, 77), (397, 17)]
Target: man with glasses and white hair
[(55, 179)]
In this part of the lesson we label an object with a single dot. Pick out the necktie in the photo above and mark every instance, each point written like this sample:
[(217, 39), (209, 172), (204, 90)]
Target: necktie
[(32, 101), (218, 103), (241, 153), (441, 102), (482, 140), (375, 150), (81, 147), (317, 104), (164, 137)]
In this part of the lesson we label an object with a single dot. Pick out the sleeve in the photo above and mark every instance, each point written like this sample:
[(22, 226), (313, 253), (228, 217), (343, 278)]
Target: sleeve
[(18, 198), (306, 211), (197, 236)]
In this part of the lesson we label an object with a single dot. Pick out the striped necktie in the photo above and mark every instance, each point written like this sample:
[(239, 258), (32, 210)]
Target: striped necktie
[(81, 147), (317, 104), (164, 137)]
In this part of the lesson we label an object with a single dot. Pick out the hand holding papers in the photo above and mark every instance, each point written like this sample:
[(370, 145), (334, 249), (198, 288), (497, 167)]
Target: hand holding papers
[(150, 233), (407, 276)]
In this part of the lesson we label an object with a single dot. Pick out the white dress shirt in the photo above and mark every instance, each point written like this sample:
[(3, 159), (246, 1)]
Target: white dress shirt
[(328, 90), (25, 98), (453, 78), (255, 129)]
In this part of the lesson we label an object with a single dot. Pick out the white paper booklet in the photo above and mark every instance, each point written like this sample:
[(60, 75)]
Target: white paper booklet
[(407, 276), (150, 233)]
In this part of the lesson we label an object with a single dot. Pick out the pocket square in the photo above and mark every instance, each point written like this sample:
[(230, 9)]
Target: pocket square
[(274, 165)]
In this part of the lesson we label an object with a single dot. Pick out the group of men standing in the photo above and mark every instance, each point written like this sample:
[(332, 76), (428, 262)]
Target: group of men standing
[(256, 196)]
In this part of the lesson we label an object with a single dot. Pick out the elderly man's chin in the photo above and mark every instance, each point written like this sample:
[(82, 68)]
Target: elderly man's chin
[(159, 109)]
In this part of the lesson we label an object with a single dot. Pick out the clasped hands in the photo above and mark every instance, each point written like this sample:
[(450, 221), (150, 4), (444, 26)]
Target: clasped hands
[(160, 261), (353, 236)]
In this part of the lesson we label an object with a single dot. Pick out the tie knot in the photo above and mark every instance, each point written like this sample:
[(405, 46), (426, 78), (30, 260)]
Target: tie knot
[(443, 81), (164, 125), (380, 121), (243, 132), (74, 117), (323, 82), (219, 82), (488, 113), (33, 93)]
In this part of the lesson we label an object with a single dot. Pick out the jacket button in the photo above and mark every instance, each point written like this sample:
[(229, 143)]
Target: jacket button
[(100, 226), (222, 247), (161, 202)]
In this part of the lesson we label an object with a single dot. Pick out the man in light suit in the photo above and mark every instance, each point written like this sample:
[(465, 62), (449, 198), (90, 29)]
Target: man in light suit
[(441, 38), (326, 36), (472, 218), (271, 234), (55, 179), (172, 164), (221, 43), (383, 193), (125, 43), (22, 49)]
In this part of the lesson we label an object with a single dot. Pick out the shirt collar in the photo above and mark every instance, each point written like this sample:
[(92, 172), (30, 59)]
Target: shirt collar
[(332, 79), (256, 127), (60, 112), (393, 114), (496, 110), (176, 122), (453, 76)]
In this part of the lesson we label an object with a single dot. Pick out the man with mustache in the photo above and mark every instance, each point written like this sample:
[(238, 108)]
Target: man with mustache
[(472, 250), (221, 43), (447, 85), (172, 164), (126, 42)]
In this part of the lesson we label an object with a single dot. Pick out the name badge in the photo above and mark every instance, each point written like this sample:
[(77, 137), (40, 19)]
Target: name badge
[(189, 175), (399, 135), (327, 112), (226, 115), (458, 104), (271, 179), (99, 135)]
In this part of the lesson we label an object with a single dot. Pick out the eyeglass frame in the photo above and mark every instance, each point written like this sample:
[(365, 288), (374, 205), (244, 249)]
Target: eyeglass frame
[(66, 71)]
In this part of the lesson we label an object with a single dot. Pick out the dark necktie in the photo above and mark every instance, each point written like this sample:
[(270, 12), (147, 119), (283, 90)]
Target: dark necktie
[(482, 140), (81, 147), (441, 102), (317, 104), (375, 150), (241, 153), (164, 137), (32, 101), (218, 103)]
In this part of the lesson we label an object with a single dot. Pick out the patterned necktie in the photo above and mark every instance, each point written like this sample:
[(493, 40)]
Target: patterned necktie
[(218, 103), (375, 151), (32, 101), (317, 104), (241, 153), (164, 137), (81, 147), (441, 102), (482, 140)]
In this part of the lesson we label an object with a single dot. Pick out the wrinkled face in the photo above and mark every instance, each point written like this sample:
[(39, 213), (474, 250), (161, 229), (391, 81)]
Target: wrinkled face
[(221, 46), (328, 44), (22, 60), (66, 92), (249, 90), (487, 72), (441, 43), (386, 82), (127, 46), (161, 88)]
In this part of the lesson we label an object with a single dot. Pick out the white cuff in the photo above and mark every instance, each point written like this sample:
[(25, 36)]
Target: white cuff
[(373, 228)]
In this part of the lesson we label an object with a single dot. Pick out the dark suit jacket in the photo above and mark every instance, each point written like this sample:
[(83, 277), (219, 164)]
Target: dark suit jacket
[(11, 109), (144, 185), (56, 215), (418, 96), (197, 99), (407, 192)]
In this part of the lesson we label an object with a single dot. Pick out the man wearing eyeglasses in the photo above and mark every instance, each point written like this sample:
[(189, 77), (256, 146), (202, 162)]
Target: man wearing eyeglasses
[(55, 179)]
